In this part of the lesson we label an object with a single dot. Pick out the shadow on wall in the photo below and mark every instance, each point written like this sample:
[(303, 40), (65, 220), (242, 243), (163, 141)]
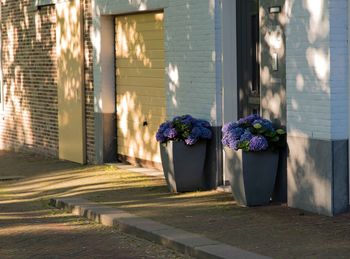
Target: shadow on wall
[(312, 177), (70, 86), (311, 163), (29, 78)]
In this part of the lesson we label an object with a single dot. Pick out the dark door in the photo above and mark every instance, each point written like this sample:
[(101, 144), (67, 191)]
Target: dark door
[(273, 60), (248, 66)]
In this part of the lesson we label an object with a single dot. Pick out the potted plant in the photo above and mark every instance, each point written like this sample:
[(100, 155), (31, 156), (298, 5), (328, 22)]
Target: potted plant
[(183, 150), (252, 147)]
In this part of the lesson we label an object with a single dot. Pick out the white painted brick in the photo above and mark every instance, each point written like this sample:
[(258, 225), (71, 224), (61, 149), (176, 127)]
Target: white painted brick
[(190, 52), (319, 107)]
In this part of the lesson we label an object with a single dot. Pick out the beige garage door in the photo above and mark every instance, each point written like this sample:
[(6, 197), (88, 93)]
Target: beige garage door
[(70, 83), (140, 84)]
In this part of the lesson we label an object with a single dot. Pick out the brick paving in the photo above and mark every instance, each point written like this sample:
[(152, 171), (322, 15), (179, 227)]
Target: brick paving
[(29, 228), (275, 231)]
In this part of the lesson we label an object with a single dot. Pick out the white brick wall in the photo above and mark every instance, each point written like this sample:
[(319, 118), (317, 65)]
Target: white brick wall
[(190, 52), (338, 10), (191, 58), (316, 40)]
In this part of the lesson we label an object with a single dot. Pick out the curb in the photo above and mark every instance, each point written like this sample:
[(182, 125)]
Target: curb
[(185, 242)]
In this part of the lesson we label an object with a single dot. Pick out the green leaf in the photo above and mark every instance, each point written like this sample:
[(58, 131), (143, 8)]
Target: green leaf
[(270, 134), (276, 139), (257, 126), (244, 145), (281, 131)]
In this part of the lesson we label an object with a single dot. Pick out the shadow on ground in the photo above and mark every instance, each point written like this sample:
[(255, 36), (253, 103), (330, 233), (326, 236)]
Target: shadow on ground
[(275, 231)]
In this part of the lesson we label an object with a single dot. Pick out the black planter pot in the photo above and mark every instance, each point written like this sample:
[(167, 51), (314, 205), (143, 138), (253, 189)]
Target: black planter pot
[(252, 175), (183, 165)]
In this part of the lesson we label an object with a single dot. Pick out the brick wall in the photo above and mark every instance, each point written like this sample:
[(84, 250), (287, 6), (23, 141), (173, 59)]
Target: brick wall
[(191, 58), (308, 89), (317, 65), (29, 118), (89, 89)]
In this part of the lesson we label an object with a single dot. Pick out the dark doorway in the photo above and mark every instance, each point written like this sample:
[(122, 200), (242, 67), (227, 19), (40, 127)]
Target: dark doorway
[(248, 76), (261, 47)]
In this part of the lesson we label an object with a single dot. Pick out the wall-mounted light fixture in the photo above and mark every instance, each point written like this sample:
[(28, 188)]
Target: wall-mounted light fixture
[(275, 9)]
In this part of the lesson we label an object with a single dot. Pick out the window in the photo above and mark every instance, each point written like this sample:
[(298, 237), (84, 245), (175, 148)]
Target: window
[(40, 3)]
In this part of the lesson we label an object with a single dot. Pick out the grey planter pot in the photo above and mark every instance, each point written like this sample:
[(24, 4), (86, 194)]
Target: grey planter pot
[(183, 165), (252, 175)]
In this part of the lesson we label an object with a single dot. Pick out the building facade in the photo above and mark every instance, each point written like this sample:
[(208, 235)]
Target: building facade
[(90, 80)]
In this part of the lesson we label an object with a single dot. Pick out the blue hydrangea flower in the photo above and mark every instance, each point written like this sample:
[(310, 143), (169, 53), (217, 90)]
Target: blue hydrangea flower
[(160, 137), (184, 128), (258, 143), (252, 133), (229, 126), (206, 133), (249, 119), (236, 133), (187, 119), (196, 132), (234, 144), (247, 135), (265, 124), (191, 140), (170, 133), (201, 123), (225, 140), (162, 128)]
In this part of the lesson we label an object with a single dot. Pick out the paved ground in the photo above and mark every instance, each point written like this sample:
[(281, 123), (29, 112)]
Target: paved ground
[(29, 228), (274, 231)]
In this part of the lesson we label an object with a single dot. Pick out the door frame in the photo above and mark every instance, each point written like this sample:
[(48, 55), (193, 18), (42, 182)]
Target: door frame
[(229, 68)]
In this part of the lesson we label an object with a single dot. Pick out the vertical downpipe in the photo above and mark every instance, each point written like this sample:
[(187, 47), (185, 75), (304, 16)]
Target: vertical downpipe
[(348, 98)]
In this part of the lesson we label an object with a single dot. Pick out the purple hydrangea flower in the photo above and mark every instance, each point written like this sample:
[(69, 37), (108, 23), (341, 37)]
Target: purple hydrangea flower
[(162, 128), (206, 133), (249, 119), (191, 140), (196, 132), (258, 143), (234, 144), (229, 126), (236, 133), (232, 136), (160, 137), (266, 124), (170, 133), (184, 128), (225, 140), (187, 119), (252, 133), (201, 123), (247, 135)]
